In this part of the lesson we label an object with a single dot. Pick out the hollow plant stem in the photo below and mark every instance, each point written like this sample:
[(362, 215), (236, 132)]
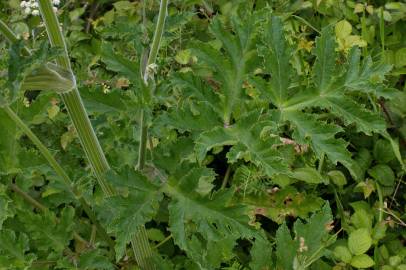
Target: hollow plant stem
[(74, 103), (86, 133), (148, 74)]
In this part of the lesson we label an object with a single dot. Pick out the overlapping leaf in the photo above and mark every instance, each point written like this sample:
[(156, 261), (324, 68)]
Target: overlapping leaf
[(231, 67), (14, 250), (307, 245), (125, 213), (212, 217), (245, 137), (49, 233)]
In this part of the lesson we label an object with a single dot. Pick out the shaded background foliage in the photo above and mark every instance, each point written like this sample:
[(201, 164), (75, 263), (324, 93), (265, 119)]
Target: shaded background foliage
[(106, 39)]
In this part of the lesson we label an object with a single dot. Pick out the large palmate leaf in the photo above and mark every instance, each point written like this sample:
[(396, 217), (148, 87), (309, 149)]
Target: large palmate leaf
[(125, 213), (328, 92), (231, 67), (245, 137), (210, 218), (308, 243)]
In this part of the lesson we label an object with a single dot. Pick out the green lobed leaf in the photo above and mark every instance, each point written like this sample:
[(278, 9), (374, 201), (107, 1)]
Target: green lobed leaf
[(245, 136), (322, 138), (57, 234), (310, 238), (126, 212), (14, 250), (261, 255), (276, 54), (120, 64), (324, 67), (213, 217)]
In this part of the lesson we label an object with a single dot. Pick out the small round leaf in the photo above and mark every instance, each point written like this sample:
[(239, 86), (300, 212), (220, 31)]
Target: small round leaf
[(359, 241), (362, 261), (383, 174)]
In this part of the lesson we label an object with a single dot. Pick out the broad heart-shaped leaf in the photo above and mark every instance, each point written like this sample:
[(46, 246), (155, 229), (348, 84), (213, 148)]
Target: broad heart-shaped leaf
[(230, 68), (310, 238), (47, 232), (13, 250), (124, 214), (196, 220), (245, 136), (276, 56)]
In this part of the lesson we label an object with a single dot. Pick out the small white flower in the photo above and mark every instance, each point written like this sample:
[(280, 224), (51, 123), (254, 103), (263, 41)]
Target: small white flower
[(35, 12), (34, 5), (56, 2), (55, 9), (23, 4), (27, 10)]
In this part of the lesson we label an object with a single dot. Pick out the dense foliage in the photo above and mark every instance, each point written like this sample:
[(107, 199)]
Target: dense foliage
[(276, 135)]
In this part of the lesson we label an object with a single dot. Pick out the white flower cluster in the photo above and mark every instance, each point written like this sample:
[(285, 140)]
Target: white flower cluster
[(30, 7)]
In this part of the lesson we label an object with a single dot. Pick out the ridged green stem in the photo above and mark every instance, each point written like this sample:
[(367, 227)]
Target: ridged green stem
[(87, 136), (145, 255), (60, 172), (10, 36), (159, 29), (143, 142), (74, 103)]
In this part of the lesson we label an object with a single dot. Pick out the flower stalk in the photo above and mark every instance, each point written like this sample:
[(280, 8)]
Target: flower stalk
[(148, 74)]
